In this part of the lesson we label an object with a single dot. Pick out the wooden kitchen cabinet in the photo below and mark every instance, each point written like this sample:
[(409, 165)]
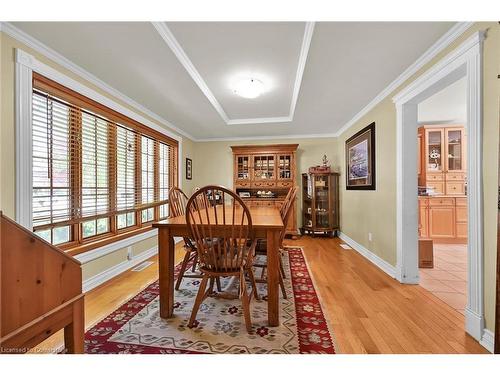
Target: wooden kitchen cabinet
[(442, 159), (443, 218)]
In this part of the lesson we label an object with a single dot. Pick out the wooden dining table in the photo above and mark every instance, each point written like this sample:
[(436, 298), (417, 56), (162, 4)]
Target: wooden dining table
[(266, 223)]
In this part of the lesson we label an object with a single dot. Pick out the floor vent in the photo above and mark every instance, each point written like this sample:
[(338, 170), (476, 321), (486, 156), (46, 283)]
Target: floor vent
[(345, 246), (141, 266)]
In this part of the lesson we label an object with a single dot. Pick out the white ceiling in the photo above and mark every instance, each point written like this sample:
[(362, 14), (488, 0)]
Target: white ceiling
[(347, 65), (446, 106)]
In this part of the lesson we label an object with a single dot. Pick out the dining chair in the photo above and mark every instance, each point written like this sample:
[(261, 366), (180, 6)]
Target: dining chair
[(177, 200), (233, 251), (261, 248)]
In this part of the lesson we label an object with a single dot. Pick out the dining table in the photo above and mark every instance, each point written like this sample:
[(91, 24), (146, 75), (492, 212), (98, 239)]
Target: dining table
[(266, 223)]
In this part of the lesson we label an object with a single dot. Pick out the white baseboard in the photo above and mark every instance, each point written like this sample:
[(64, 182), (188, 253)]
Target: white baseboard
[(111, 272), (375, 259), (488, 340), (474, 324)]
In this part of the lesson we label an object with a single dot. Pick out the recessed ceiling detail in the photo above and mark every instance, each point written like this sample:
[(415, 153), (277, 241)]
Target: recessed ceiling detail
[(290, 85)]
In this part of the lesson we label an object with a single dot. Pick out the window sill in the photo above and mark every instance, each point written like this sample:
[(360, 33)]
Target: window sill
[(107, 245)]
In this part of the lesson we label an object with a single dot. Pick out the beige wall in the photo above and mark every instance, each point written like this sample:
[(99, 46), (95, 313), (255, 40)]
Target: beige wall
[(363, 212), (7, 143), (214, 160)]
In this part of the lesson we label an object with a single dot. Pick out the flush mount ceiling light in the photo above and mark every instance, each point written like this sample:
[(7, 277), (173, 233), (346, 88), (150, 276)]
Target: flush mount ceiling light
[(249, 88)]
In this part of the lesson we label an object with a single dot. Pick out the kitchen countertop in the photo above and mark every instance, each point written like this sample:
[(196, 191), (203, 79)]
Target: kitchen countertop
[(442, 196)]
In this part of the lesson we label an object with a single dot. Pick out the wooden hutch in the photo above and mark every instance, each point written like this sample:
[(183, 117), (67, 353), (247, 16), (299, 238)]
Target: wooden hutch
[(262, 176), (442, 167)]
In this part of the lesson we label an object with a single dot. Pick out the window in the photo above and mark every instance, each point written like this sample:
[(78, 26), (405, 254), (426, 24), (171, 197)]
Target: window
[(96, 173)]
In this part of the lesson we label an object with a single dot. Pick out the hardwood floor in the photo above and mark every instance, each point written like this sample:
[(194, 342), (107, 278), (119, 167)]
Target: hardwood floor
[(368, 311)]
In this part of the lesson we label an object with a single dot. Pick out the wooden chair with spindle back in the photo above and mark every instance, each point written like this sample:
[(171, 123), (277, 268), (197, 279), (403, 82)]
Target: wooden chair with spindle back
[(229, 251), (177, 201), (261, 248)]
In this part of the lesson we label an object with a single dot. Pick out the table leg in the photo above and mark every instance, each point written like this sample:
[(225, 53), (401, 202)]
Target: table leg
[(273, 315), (166, 252)]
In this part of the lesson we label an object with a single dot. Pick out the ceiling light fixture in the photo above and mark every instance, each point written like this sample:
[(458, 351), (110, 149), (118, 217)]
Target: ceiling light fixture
[(249, 88)]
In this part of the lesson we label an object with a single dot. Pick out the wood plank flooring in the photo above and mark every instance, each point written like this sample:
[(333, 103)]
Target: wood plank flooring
[(368, 311)]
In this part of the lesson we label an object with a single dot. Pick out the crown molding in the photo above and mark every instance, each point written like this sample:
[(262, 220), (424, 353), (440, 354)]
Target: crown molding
[(449, 37), (269, 137), (59, 59), (186, 62)]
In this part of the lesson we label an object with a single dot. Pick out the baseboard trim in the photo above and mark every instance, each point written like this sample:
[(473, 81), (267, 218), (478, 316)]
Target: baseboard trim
[(474, 324), (95, 281), (488, 340), (375, 259)]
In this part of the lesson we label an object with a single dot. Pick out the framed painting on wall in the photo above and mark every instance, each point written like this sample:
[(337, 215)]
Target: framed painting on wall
[(360, 159), (189, 169)]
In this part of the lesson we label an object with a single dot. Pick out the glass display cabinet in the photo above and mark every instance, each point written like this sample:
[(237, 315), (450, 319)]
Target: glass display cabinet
[(320, 206)]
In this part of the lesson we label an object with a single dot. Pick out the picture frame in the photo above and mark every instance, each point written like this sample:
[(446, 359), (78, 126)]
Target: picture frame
[(189, 169), (360, 159)]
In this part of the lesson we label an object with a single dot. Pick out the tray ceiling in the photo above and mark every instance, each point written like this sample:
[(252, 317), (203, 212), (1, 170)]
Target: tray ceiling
[(343, 68)]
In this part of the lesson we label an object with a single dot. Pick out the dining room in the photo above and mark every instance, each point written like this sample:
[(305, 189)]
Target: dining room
[(186, 186)]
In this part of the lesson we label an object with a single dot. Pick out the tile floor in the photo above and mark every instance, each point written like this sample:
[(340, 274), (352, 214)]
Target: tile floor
[(448, 279)]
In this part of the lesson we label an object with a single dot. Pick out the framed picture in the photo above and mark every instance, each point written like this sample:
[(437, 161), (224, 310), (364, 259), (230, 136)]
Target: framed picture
[(360, 159), (189, 169)]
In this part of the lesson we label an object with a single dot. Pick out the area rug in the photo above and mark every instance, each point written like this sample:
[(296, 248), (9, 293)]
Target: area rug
[(136, 326)]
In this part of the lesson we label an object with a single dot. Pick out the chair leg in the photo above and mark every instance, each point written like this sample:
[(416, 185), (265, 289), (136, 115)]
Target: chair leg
[(219, 287), (199, 299), (245, 302), (282, 285), (195, 262), (254, 284), (182, 271), (282, 269)]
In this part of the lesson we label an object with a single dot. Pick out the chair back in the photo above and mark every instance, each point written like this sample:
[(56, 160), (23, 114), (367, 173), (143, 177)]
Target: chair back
[(220, 225), (286, 210), (177, 203)]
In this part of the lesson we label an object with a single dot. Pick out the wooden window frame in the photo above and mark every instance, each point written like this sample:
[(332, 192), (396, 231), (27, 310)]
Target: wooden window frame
[(77, 243)]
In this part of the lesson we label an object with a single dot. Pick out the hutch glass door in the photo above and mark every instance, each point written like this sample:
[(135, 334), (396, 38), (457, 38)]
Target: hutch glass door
[(263, 166), (322, 201), (434, 150), (284, 167), (454, 144), (242, 167)]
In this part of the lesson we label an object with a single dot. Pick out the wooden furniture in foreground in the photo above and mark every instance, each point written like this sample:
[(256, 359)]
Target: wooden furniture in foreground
[(266, 168), (41, 292), (442, 158), (266, 223), (320, 203), (231, 253), (261, 248), (443, 218), (425, 253)]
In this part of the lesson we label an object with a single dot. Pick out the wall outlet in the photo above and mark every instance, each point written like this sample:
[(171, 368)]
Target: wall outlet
[(370, 237), (129, 253)]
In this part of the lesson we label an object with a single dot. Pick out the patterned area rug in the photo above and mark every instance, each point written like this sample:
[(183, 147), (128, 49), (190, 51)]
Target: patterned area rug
[(136, 326)]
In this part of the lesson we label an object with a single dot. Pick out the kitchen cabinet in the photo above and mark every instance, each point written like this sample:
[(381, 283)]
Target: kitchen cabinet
[(442, 159), (443, 218)]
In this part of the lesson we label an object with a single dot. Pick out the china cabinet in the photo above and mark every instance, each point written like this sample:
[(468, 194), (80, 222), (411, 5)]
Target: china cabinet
[(320, 205), (442, 159), (263, 174)]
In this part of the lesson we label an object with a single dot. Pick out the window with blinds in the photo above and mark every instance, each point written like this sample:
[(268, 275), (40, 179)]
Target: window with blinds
[(96, 173)]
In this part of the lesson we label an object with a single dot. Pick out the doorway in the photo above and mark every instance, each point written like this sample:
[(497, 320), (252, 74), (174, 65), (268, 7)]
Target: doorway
[(464, 61), (442, 194)]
